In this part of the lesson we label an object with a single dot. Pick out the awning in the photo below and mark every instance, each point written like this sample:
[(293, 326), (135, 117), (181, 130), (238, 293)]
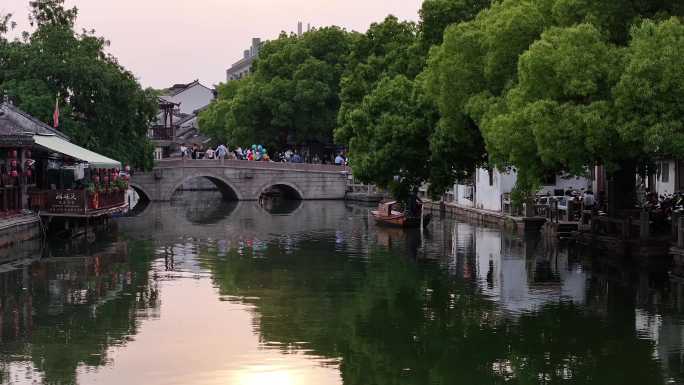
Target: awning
[(57, 144)]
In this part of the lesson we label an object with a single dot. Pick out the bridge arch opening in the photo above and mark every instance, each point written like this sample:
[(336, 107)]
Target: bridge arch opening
[(205, 184), (280, 199), (137, 199), (283, 191)]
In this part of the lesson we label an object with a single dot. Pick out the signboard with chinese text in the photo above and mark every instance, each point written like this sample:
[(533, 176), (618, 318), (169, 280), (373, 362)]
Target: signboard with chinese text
[(66, 201)]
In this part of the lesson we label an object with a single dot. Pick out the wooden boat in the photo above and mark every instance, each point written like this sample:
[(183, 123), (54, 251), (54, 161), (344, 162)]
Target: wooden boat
[(385, 215)]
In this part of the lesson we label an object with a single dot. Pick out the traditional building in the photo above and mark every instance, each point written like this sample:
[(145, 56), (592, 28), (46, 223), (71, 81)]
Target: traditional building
[(176, 121), (41, 170)]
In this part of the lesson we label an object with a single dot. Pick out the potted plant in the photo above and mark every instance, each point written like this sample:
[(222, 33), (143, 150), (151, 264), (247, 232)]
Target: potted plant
[(93, 195)]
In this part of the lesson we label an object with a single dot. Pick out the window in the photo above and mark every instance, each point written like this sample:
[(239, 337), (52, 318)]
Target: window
[(665, 172), (549, 179)]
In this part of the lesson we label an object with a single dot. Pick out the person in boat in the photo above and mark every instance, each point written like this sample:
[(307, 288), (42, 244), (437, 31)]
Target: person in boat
[(414, 204)]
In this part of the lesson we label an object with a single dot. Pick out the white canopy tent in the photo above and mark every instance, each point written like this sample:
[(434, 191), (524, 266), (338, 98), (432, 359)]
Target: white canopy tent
[(57, 144)]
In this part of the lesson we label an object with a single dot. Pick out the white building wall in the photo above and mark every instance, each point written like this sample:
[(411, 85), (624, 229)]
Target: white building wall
[(488, 196), (665, 178), (464, 195), (193, 98)]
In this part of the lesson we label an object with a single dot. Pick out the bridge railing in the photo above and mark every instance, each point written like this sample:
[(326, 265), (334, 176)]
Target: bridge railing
[(231, 163)]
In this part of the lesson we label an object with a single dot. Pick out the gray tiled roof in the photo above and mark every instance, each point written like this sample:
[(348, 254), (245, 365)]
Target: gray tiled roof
[(13, 121)]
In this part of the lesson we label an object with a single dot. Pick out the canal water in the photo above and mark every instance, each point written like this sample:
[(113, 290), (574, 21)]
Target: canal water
[(201, 291)]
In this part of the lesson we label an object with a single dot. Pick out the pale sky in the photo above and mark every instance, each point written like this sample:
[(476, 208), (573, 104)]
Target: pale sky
[(177, 41)]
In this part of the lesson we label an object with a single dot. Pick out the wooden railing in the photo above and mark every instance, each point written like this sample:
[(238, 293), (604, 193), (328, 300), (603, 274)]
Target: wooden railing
[(75, 201), (162, 133), (626, 227)]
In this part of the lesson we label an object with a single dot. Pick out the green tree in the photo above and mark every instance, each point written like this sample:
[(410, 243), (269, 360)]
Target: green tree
[(291, 96), (391, 126), (558, 117), (650, 89), (214, 121), (387, 49), (437, 15), (102, 105), (390, 49), (536, 78), (475, 62)]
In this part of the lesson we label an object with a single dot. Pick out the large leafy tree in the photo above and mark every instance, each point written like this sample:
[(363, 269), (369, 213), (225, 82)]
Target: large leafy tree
[(558, 117), (389, 51), (292, 95), (436, 15), (214, 121), (537, 79), (391, 127), (102, 105), (648, 96)]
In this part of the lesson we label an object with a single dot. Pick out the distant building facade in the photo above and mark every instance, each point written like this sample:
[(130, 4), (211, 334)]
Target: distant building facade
[(487, 189), (176, 121), (243, 67)]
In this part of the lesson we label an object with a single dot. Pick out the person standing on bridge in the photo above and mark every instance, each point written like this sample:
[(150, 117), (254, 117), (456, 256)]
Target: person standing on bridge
[(339, 160), (221, 152), (209, 154), (183, 151)]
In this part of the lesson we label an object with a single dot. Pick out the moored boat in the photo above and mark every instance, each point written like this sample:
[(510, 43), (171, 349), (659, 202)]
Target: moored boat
[(387, 216)]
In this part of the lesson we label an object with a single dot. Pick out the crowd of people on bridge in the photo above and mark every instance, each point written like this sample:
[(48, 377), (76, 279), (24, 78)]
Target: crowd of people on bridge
[(259, 153)]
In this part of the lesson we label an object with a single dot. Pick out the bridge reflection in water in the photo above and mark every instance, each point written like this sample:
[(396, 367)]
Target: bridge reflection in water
[(322, 296)]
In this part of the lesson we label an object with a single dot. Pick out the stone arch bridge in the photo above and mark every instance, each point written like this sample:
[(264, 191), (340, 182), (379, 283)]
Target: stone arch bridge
[(244, 180)]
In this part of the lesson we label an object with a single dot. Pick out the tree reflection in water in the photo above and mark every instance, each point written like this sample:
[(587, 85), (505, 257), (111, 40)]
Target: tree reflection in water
[(388, 319), (60, 313), (461, 304)]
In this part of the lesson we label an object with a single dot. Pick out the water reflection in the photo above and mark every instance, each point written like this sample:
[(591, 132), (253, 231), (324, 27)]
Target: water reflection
[(278, 205), (322, 296), (57, 314), (520, 274)]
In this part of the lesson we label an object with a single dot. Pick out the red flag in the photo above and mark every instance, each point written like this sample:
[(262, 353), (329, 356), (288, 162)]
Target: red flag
[(55, 115)]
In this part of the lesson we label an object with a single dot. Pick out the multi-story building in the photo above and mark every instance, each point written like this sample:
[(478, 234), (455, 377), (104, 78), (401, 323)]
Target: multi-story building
[(243, 67)]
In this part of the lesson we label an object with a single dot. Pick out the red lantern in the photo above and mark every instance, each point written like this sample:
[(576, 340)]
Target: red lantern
[(14, 173), (13, 163)]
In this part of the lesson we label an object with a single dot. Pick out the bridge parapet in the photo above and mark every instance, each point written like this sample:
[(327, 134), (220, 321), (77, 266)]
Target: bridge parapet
[(245, 164)]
